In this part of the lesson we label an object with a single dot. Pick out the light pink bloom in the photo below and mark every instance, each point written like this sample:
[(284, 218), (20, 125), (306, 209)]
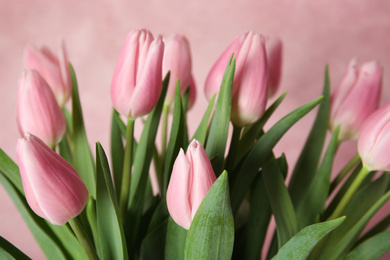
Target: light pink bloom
[(355, 98), (177, 60), (136, 85), (54, 69), (274, 49), (374, 140), (192, 176), (250, 85), (37, 110), (52, 187)]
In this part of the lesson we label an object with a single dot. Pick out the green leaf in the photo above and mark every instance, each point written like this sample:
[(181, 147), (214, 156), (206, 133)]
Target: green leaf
[(378, 228), (117, 152), (360, 210), (140, 175), (9, 251), (47, 240), (112, 238), (263, 149), (313, 204), (201, 131), (152, 246), (372, 249), (280, 201), (211, 234), (253, 132), (219, 128), (299, 246), (10, 170), (82, 157), (307, 163), (176, 139), (175, 241)]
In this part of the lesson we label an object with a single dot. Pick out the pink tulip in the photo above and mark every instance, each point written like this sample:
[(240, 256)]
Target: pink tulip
[(136, 85), (54, 69), (192, 176), (177, 60), (250, 91), (356, 98), (374, 140), (38, 111), (274, 49), (52, 187)]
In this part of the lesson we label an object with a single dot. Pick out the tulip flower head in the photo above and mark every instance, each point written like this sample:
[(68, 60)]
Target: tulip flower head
[(54, 69), (136, 85), (355, 98), (177, 60), (374, 140), (250, 85), (274, 49), (192, 176), (52, 187), (38, 111)]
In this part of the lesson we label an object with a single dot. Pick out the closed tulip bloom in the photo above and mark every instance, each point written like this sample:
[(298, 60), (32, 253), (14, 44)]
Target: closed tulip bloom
[(37, 110), (53, 68), (250, 97), (136, 85), (192, 176), (374, 140), (52, 187), (274, 49), (355, 98), (177, 60)]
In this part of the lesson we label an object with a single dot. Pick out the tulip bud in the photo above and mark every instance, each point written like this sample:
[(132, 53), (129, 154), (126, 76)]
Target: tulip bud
[(274, 49), (355, 98), (52, 187), (136, 85), (249, 94), (177, 60), (54, 69), (38, 111), (192, 176), (374, 140)]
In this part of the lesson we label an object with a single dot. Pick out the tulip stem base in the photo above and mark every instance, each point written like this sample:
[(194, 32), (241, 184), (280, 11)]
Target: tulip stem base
[(83, 239), (128, 162), (350, 193), (340, 177)]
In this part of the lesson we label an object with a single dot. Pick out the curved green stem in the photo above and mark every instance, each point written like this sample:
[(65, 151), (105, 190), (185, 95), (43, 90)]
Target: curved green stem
[(128, 161), (83, 239), (344, 172), (350, 192)]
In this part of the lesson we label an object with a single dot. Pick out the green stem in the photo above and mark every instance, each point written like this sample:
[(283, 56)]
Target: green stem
[(344, 172), (163, 141), (231, 158), (350, 192), (128, 161), (83, 239)]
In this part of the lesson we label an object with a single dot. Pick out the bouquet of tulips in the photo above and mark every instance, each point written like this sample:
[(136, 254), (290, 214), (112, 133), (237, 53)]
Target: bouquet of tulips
[(197, 196)]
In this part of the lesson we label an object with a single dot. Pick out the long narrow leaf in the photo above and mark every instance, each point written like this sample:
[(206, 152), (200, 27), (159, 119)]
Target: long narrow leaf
[(82, 157), (10, 170), (117, 152), (372, 249), (201, 131), (110, 228), (262, 149)]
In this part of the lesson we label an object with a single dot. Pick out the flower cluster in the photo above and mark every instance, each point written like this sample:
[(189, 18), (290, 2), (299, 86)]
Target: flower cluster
[(206, 198)]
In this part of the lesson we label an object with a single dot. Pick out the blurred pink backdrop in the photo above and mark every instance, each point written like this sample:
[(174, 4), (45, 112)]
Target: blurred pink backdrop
[(313, 32)]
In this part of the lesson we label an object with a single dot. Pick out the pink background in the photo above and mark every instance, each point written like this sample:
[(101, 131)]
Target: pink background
[(314, 33)]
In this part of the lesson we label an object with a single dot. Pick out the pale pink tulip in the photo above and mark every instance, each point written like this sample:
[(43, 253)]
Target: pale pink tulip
[(52, 187), (136, 85), (274, 49), (250, 84), (54, 69), (374, 140), (37, 110), (192, 176), (355, 98), (177, 60)]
